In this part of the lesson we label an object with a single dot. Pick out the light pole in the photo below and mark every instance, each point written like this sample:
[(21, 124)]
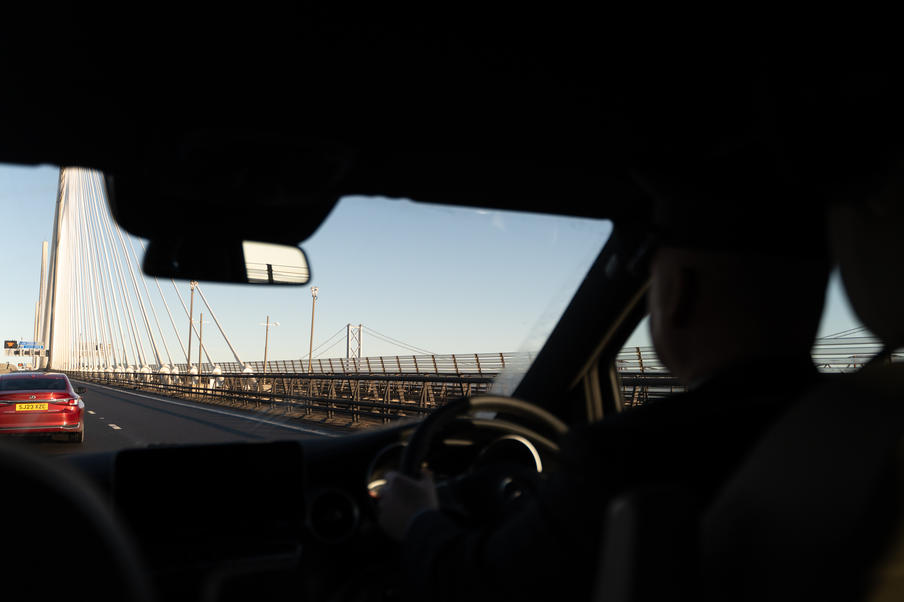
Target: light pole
[(191, 311), (200, 347), (200, 339), (268, 324), (314, 291)]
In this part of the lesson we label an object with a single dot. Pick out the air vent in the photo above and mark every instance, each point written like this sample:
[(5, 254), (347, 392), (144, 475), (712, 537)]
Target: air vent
[(333, 516)]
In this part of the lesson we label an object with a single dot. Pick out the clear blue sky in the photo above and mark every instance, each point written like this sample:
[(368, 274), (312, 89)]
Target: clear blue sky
[(27, 197), (444, 279)]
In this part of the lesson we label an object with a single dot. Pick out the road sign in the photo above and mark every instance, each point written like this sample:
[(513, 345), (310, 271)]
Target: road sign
[(10, 344), (30, 345)]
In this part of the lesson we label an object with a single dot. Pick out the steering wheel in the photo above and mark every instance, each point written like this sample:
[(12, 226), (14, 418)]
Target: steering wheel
[(422, 439)]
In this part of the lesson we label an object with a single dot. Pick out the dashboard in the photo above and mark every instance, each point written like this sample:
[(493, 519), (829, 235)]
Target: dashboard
[(228, 521)]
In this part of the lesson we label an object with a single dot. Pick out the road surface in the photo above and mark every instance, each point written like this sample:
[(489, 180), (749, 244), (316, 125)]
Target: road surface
[(117, 419)]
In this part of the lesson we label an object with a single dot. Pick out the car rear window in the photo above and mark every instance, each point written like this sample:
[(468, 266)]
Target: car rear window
[(33, 384)]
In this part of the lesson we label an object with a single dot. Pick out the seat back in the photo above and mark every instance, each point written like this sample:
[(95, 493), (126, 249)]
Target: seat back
[(649, 546), (809, 512)]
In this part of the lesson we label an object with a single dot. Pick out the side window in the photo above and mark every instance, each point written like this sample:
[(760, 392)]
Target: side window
[(842, 344), (641, 375)]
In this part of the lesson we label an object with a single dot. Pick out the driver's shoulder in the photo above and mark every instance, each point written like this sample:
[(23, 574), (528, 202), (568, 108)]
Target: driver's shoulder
[(654, 415), (618, 433), (683, 421)]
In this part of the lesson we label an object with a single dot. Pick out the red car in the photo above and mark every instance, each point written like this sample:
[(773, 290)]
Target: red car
[(41, 403)]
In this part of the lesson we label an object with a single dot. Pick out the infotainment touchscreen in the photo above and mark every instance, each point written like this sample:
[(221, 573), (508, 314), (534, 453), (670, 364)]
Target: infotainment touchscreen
[(212, 501)]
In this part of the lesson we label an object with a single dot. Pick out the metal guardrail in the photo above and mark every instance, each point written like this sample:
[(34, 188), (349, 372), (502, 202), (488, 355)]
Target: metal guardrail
[(456, 363), (376, 397)]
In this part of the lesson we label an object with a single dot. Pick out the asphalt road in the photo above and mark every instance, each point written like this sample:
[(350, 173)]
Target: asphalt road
[(117, 419)]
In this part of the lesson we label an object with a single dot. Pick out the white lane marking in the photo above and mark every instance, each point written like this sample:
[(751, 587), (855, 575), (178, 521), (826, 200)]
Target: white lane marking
[(114, 427), (91, 412), (223, 412)]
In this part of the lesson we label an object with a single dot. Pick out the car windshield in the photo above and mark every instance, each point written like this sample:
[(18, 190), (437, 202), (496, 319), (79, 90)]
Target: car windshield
[(409, 305), (32, 384)]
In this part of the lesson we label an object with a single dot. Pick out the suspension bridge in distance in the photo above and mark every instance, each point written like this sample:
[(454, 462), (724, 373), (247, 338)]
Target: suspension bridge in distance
[(99, 319)]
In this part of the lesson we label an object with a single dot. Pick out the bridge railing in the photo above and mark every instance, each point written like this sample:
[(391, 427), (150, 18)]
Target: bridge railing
[(356, 396), (455, 363)]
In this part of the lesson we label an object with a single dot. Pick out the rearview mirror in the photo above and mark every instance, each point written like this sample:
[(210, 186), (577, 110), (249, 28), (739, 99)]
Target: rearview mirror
[(81, 390), (218, 260), (267, 263)]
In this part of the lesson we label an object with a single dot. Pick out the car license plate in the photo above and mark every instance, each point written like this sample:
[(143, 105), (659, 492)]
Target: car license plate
[(21, 407)]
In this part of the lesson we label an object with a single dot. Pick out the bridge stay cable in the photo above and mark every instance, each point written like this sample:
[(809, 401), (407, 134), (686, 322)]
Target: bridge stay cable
[(89, 240), (87, 282), (81, 277), (170, 313), (107, 257), (124, 295), (389, 339), (194, 327), (144, 314), (81, 291), (219, 326), (844, 333), (98, 263), (325, 341), (72, 267), (102, 354), (107, 324), (153, 310), (322, 353)]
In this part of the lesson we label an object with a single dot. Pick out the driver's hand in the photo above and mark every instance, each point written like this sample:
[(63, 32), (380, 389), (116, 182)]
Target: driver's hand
[(401, 499)]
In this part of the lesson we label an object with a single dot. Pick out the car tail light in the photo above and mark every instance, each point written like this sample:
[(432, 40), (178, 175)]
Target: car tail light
[(69, 401)]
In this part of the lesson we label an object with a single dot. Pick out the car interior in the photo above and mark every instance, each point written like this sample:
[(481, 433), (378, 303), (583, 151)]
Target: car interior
[(509, 116)]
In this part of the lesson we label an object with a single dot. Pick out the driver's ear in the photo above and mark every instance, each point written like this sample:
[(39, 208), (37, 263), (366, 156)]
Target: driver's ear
[(674, 293), (685, 297)]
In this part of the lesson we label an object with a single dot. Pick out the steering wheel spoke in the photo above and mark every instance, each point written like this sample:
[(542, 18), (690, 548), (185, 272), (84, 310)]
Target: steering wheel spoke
[(504, 414)]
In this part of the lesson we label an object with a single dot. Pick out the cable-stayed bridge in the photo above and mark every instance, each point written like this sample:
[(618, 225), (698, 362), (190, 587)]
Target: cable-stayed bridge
[(96, 311)]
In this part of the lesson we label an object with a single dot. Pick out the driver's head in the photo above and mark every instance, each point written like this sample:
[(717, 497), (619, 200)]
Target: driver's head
[(713, 310), (740, 275)]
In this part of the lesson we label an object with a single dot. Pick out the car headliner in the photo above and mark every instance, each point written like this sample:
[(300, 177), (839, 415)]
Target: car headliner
[(504, 116)]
